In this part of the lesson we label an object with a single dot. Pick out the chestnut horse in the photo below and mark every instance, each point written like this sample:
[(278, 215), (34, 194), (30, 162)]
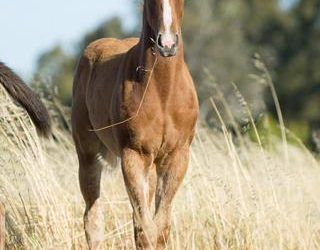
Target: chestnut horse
[(135, 99)]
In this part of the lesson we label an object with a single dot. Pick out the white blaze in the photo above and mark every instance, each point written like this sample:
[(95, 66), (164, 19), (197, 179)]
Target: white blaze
[(167, 15), (167, 22)]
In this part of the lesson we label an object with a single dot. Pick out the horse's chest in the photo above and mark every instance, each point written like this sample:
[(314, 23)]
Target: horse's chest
[(160, 129)]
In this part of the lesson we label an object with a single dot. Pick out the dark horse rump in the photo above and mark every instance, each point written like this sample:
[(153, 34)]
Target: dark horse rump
[(21, 93)]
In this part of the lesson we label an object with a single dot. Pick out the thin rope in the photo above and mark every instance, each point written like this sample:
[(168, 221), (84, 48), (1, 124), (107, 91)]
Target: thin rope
[(140, 105)]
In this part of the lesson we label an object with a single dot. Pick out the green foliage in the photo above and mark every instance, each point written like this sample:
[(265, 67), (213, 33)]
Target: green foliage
[(298, 78)]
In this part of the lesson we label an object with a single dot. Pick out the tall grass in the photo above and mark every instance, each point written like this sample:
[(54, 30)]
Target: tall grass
[(238, 194)]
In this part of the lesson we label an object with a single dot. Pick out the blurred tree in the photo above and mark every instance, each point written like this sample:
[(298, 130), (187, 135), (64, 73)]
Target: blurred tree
[(223, 35), (289, 41), (298, 74), (56, 67), (216, 40)]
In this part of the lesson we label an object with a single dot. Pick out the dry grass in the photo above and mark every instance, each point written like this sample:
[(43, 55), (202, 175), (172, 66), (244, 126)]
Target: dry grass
[(237, 194)]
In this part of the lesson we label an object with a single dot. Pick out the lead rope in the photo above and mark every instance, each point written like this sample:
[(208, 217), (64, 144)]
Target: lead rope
[(140, 105)]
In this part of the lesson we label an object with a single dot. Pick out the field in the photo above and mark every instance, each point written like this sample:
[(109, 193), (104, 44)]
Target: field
[(238, 194)]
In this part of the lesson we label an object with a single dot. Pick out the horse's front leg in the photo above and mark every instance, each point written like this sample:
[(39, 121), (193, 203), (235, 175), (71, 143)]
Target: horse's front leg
[(170, 175), (136, 170)]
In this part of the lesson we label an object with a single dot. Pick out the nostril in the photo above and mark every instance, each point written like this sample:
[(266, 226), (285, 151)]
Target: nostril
[(159, 41), (177, 40)]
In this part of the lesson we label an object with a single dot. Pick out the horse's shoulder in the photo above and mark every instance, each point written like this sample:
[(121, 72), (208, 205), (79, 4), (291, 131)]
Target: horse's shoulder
[(105, 48)]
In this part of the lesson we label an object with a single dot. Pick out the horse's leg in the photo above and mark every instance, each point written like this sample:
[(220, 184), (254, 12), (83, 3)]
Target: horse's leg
[(89, 177), (136, 171), (170, 175), (89, 150)]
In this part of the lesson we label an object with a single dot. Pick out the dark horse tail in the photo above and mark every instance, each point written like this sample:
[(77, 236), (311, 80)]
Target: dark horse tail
[(20, 92)]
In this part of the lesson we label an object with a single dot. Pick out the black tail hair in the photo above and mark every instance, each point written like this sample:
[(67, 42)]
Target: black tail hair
[(20, 92)]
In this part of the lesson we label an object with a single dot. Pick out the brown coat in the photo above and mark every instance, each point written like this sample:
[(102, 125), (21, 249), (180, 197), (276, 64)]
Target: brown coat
[(133, 101)]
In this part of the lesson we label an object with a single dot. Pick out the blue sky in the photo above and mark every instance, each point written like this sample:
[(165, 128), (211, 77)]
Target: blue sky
[(33, 26), (30, 27)]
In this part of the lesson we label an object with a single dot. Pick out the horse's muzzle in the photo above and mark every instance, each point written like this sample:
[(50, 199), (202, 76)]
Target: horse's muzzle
[(167, 44)]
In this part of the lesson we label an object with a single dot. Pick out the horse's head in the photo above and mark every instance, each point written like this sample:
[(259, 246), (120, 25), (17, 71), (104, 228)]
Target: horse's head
[(165, 19)]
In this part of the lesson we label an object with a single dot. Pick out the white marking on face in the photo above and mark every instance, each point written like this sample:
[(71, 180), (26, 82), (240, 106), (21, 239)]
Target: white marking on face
[(167, 39), (167, 15)]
